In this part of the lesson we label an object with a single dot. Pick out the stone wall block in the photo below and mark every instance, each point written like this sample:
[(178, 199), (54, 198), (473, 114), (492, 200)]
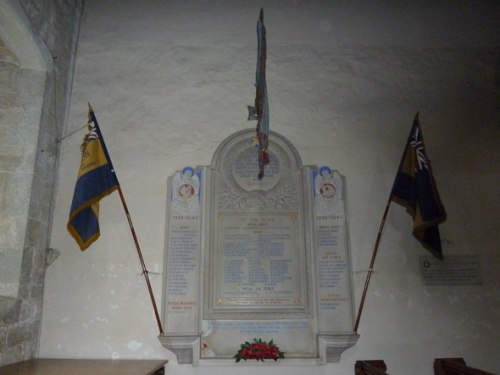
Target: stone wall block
[(8, 99), (52, 20), (17, 188), (10, 312), (30, 348), (12, 228), (7, 58), (44, 27), (46, 178), (10, 259), (46, 153), (17, 334), (4, 177), (34, 328), (3, 340), (42, 180), (34, 232), (33, 12), (38, 267), (51, 10), (26, 311), (27, 349), (45, 162), (31, 311), (36, 203), (7, 74), (10, 137), (14, 353), (41, 217), (9, 226), (21, 136), (67, 12), (30, 85), (24, 277), (9, 162), (17, 157), (32, 270), (61, 86), (36, 317), (47, 139)]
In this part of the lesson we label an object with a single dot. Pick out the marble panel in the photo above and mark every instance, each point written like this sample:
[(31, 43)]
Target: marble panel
[(249, 258)]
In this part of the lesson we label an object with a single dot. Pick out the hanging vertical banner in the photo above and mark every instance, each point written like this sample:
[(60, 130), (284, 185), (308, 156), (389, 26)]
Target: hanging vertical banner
[(260, 111)]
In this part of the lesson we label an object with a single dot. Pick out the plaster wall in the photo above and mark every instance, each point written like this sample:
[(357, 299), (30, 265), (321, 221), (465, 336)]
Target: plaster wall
[(170, 80)]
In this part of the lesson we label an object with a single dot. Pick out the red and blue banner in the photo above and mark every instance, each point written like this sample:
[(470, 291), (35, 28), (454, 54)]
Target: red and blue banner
[(414, 188)]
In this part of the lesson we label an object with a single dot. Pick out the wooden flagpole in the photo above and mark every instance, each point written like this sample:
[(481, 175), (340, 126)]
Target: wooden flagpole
[(143, 265), (372, 262)]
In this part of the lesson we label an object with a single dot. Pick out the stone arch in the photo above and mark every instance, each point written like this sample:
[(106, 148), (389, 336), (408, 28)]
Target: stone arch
[(16, 34), (32, 117), (23, 77)]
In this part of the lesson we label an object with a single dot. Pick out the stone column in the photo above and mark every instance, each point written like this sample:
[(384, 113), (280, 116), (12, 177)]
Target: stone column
[(37, 51)]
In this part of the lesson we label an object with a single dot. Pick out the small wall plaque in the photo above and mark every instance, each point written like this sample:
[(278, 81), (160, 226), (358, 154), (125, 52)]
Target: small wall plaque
[(452, 270)]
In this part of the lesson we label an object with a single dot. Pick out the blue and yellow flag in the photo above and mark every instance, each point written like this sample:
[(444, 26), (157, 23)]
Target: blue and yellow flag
[(415, 189), (96, 179)]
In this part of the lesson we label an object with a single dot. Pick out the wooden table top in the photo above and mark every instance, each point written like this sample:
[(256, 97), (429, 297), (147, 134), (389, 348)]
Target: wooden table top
[(43, 366)]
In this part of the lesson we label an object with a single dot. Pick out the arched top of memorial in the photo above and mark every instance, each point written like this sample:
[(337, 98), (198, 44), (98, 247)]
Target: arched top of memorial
[(236, 158)]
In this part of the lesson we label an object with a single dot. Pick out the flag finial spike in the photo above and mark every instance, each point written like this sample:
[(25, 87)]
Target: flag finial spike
[(416, 120), (261, 15), (91, 110)]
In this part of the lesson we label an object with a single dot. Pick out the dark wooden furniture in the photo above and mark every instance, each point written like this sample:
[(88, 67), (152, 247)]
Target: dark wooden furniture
[(455, 366), (373, 367), (85, 367)]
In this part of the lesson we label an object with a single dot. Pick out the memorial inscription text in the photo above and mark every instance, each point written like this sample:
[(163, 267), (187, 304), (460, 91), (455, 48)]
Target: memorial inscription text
[(259, 260)]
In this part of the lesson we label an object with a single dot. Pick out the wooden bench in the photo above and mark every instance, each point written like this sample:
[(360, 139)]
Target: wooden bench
[(373, 367), (455, 366), (85, 367)]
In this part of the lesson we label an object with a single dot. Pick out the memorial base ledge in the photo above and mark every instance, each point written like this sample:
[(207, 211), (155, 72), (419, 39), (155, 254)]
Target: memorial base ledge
[(331, 347), (185, 348), (187, 351)]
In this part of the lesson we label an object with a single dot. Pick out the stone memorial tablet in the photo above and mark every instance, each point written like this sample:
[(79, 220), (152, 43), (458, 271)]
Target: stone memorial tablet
[(257, 259), (182, 262)]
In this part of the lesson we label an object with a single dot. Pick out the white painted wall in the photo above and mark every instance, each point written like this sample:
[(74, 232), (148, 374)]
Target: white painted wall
[(170, 80)]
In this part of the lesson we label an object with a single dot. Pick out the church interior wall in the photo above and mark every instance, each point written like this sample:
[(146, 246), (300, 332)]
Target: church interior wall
[(169, 81)]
